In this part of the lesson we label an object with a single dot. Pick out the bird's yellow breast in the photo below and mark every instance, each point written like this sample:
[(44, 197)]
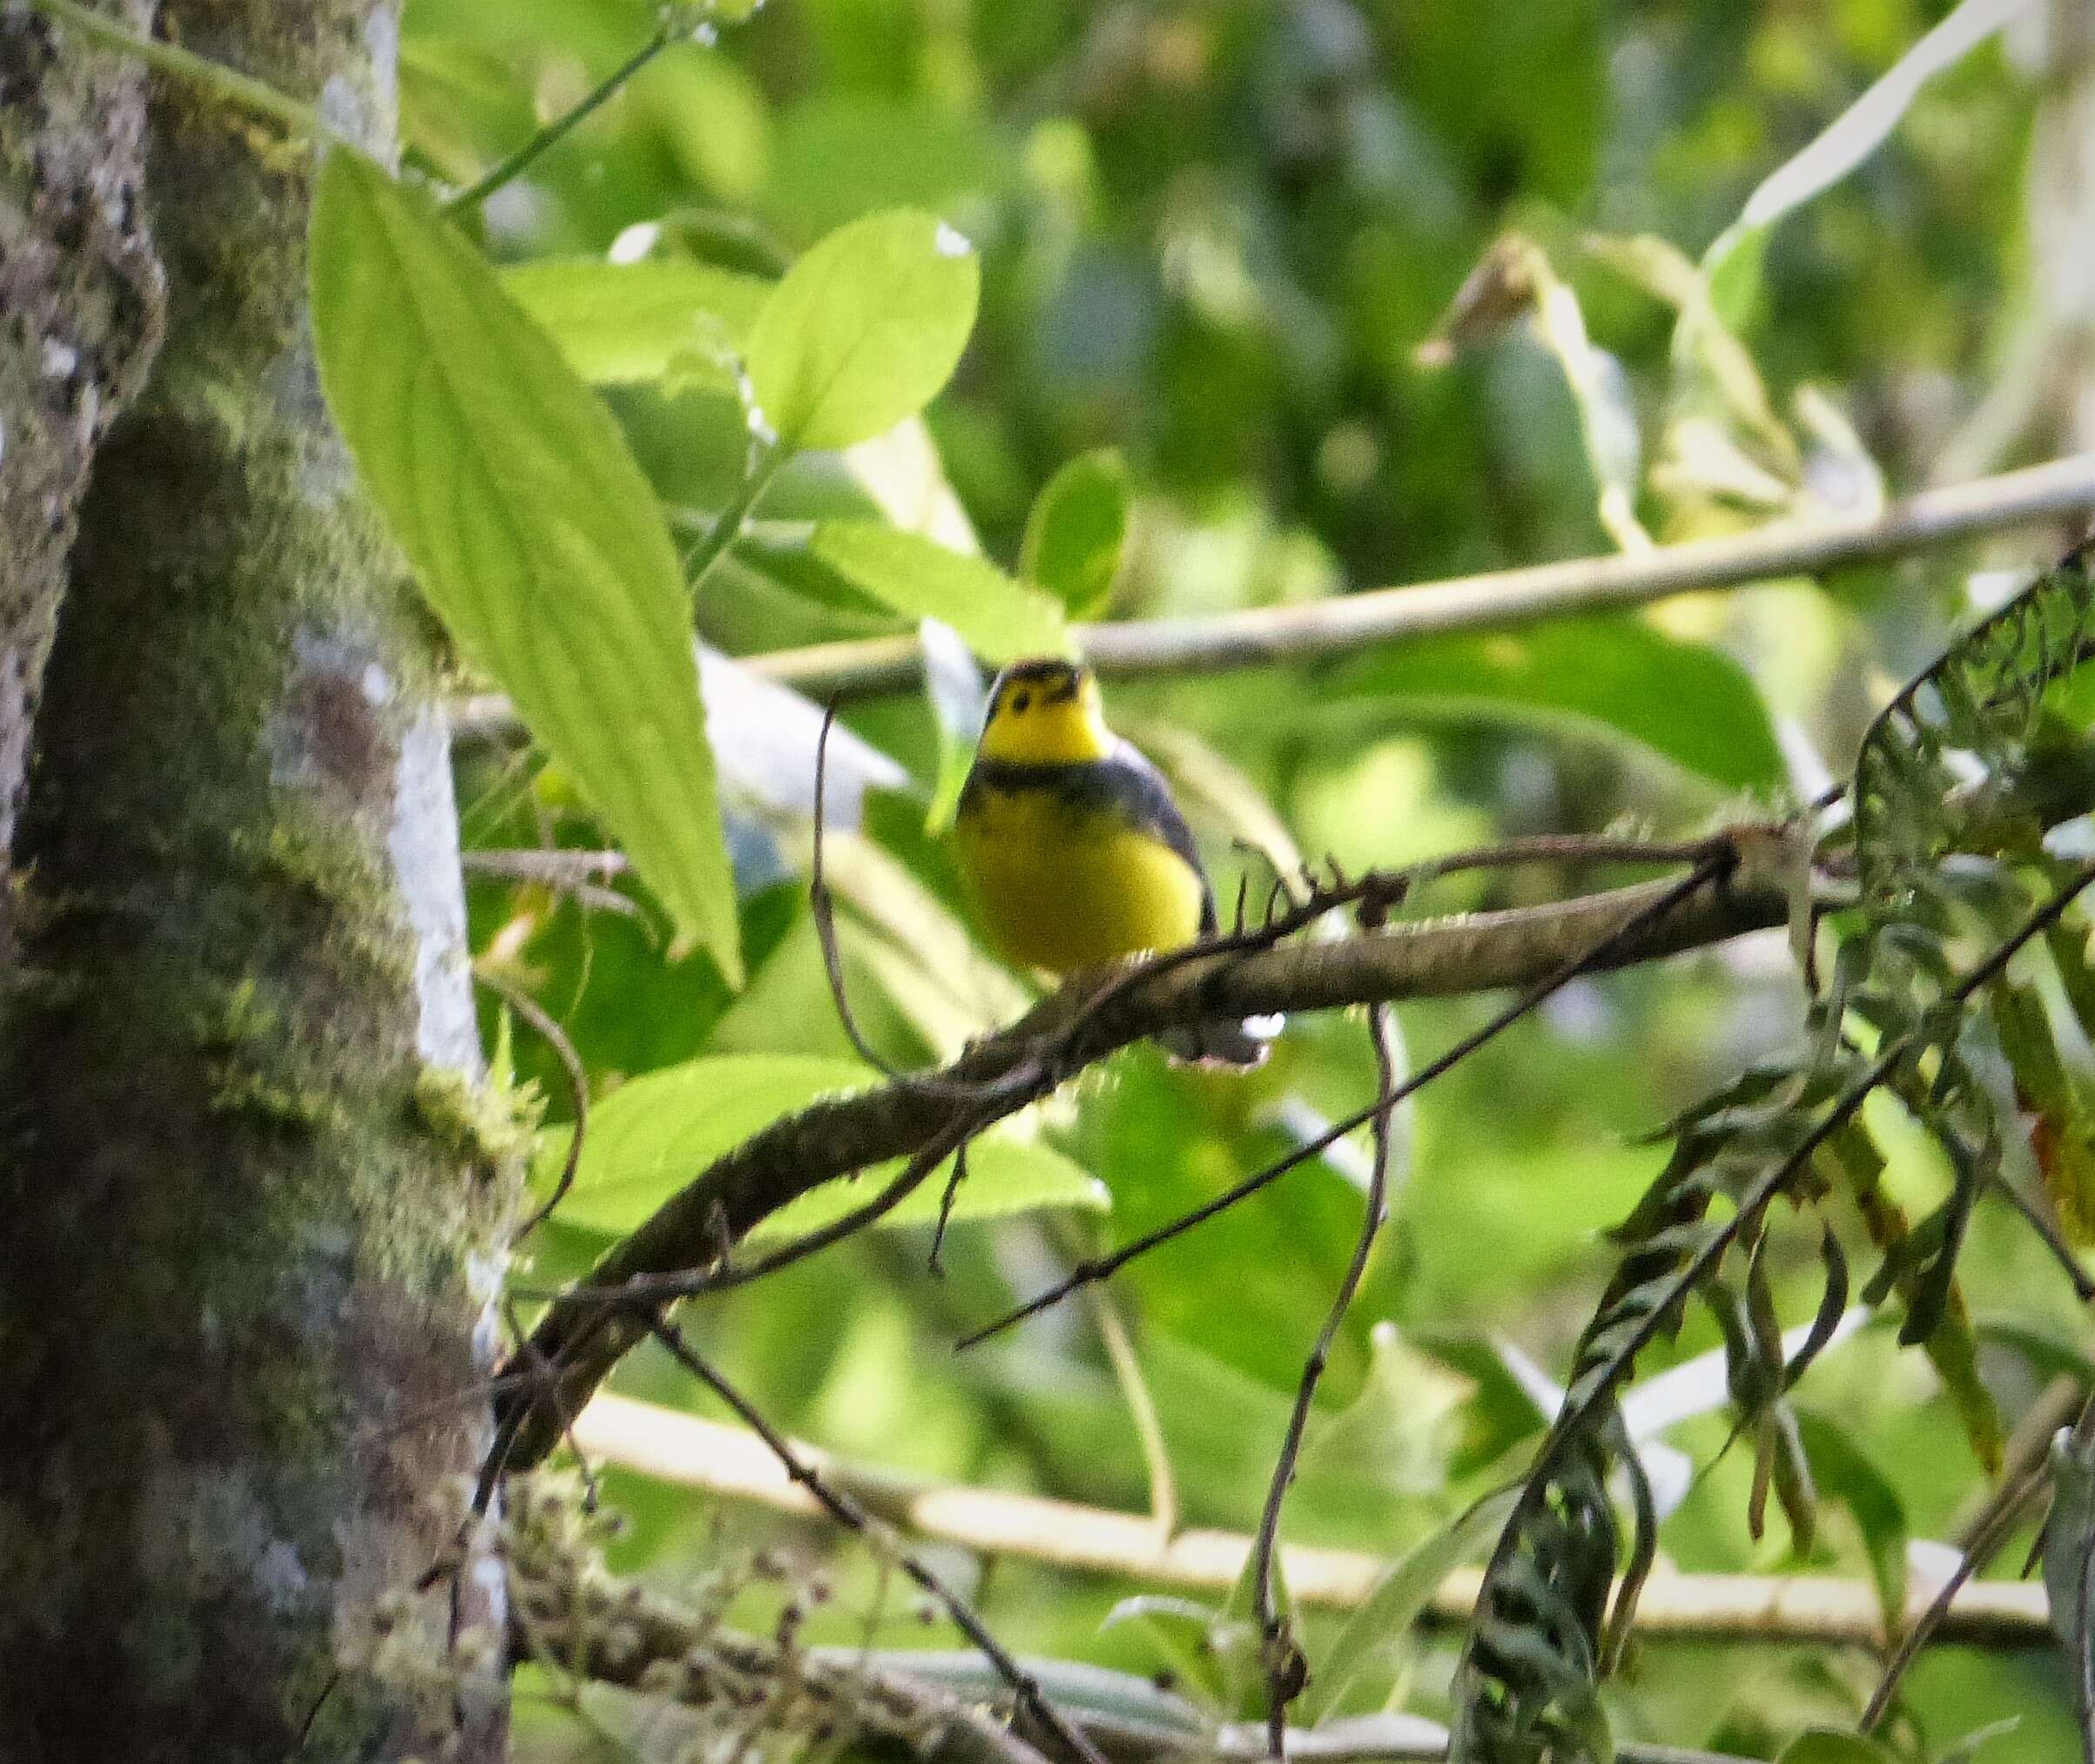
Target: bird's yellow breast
[(1063, 885)]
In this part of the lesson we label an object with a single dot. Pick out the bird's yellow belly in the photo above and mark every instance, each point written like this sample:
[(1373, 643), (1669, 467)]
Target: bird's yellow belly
[(1062, 886)]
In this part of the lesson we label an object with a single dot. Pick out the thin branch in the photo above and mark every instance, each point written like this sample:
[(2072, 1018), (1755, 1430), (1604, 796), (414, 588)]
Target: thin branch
[(1653, 908), (1500, 599), (513, 164), (1597, 1386), (729, 1463), (929, 1702), (548, 1031), (1286, 1671), (214, 77), (854, 1517), (2004, 1513), (838, 1136)]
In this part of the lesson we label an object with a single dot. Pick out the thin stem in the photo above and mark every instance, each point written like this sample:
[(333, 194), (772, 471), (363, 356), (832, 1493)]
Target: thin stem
[(728, 527), (554, 1036), (2004, 1513), (1285, 1668), (847, 1512), (1566, 970), (249, 93), (505, 169)]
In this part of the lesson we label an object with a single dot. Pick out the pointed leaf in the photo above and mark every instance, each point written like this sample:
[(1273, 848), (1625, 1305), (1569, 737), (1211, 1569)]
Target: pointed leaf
[(530, 526)]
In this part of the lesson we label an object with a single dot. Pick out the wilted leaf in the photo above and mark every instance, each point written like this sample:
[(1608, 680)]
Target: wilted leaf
[(529, 525), (863, 330)]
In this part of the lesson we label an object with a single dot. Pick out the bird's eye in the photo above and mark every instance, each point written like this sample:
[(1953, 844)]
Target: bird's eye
[(1023, 700)]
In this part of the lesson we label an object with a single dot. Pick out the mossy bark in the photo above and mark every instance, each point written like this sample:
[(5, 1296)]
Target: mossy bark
[(80, 320), (244, 1276)]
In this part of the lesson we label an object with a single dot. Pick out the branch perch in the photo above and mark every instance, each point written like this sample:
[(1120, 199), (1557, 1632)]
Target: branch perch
[(586, 1330)]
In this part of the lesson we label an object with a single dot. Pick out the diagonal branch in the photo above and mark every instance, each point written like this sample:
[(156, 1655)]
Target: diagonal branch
[(586, 1330), (1500, 599)]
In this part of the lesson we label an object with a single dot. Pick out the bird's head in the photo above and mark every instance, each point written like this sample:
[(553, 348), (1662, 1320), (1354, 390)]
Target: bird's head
[(1046, 712)]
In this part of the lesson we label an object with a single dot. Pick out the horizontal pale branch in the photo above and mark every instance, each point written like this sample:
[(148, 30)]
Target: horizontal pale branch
[(939, 1707), (1500, 598), (583, 1337), (730, 1462)]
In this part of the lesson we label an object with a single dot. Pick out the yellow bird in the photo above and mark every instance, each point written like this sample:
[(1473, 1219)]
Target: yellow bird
[(1071, 851)]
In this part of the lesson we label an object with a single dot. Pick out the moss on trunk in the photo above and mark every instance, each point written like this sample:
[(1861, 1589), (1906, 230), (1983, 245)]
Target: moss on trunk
[(243, 1274)]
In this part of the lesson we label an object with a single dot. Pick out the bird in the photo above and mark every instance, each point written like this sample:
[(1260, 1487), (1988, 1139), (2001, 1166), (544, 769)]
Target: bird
[(1071, 852)]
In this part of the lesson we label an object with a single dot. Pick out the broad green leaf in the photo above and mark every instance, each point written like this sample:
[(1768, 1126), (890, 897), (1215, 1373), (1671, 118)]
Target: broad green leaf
[(1403, 1591), (1844, 1472), (667, 319), (1733, 262), (1000, 619), (1687, 702), (864, 330), (1831, 1746), (1075, 532), (652, 1135), (1005, 1175), (531, 529)]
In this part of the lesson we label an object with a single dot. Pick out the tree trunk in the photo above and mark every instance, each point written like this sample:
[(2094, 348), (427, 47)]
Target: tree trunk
[(253, 1210)]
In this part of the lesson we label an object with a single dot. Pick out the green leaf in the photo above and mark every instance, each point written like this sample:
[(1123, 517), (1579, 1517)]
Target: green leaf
[(531, 529), (1192, 1640), (1831, 1746), (667, 319), (1005, 1175), (1075, 532), (1000, 619), (1733, 262), (1400, 1596), (864, 330), (652, 1135), (1686, 701), (1878, 1510)]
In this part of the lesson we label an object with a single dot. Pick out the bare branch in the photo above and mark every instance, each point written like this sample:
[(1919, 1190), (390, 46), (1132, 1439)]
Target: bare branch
[(1343, 623), (585, 1332), (838, 1504), (732, 1464)]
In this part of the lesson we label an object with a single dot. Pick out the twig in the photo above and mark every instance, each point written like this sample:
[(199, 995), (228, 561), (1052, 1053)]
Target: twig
[(1069, 1030), (514, 164), (854, 1517), (1343, 623), (1597, 1386), (1141, 1409), (2004, 1513), (1652, 910), (822, 908), (244, 90), (554, 1037), (1285, 1668)]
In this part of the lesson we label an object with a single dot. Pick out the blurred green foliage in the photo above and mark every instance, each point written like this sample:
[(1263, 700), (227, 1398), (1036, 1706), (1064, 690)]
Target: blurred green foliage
[(1223, 239)]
